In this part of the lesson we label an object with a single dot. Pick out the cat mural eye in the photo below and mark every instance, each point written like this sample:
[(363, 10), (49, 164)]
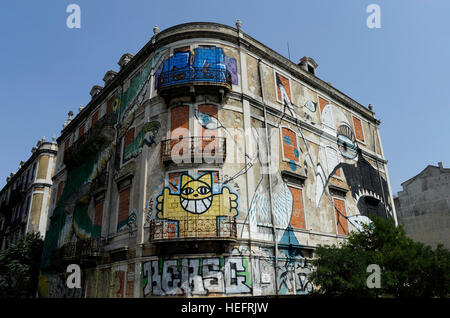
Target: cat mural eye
[(203, 190), (187, 191)]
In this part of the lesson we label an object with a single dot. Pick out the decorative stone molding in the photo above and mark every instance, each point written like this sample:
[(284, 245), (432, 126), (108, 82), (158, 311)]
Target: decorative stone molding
[(125, 59), (96, 89), (109, 76)]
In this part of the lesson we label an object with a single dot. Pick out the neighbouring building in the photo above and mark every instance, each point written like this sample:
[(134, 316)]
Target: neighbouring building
[(209, 165), (24, 200), (423, 206)]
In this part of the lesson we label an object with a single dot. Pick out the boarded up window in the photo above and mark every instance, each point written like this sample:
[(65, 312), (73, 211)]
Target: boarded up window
[(298, 215), (208, 129), (59, 191), (109, 105), (67, 144), (124, 207), (283, 82), (94, 118), (179, 122), (290, 149), (358, 129), (81, 130), (341, 220), (129, 136), (179, 125), (99, 213), (322, 103)]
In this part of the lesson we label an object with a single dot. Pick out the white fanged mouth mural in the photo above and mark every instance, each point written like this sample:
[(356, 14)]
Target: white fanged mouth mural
[(196, 206)]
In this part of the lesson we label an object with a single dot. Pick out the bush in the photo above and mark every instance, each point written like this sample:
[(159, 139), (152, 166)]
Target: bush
[(19, 267), (408, 268)]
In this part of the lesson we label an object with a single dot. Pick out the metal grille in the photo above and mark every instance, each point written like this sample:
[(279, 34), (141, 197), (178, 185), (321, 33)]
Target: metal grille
[(193, 227), (194, 74), (81, 248), (213, 148)]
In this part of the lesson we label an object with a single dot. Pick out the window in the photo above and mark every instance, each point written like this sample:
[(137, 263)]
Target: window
[(322, 103), (99, 213), (67, 143), (341, 217), (59, 190), (124, 188), (359, 134), (109, 105), (27, 206), (283, 88), (94, 118), (81, 130), (298, 214), (127, 141), (291, 151), (124, 208)]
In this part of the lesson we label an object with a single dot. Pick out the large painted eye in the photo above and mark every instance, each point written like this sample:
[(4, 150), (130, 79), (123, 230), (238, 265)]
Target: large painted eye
[(187, 191), (203, 190), (346, 142), (115, 104)]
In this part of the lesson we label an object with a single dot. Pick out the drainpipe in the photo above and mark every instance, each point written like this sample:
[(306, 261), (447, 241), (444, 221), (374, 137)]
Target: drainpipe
[(270, 179), (378, 170)]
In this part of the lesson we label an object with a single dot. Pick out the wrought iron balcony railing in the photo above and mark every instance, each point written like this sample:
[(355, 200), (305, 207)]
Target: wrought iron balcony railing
[(192, 75), (194, 227), (81, 248), (194, 150), (90, 141)]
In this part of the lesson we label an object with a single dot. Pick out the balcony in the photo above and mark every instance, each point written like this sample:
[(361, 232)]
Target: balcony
[(91, 141), (194, 150), (84, 252), (192, 81), (193, 234)]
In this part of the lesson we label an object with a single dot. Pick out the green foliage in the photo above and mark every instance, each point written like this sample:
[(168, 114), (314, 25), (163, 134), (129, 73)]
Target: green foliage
[(19, 267), (408, 268)]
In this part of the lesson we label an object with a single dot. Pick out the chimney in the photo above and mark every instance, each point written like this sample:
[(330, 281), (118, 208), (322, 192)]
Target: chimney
[(441, 167), (125, 59), (308, 64)]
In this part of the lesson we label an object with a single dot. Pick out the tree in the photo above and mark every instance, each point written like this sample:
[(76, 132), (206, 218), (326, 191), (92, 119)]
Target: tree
[(408, 268), (19, 267)]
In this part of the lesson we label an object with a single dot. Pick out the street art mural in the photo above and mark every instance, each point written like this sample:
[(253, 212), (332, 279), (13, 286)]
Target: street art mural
[(197, 276), (202, 64), (146, 136), (70, 219), (293, 276), (196, 207), (333, 157), (241, 272)]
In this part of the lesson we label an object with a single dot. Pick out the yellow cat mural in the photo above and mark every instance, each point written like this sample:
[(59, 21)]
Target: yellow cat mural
[(196, 208)]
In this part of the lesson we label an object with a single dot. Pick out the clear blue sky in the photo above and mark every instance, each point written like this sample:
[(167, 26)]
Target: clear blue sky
[(403, 69)]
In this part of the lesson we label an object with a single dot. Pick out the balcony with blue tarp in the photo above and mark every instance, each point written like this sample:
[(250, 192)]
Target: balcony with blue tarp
[(194, 72)]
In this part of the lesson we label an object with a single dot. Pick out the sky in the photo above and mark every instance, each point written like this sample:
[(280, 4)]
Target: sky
[(401, 68)]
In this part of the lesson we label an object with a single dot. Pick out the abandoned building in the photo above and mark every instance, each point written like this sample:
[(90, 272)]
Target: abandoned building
[(209, 165)]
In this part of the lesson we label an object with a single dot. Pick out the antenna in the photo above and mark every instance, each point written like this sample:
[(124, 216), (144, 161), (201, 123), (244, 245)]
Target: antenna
[(289, 51)]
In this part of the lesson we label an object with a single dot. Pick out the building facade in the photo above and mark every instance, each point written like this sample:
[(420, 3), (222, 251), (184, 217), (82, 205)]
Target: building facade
[(423, 206), (209, 165), (24, 200)]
